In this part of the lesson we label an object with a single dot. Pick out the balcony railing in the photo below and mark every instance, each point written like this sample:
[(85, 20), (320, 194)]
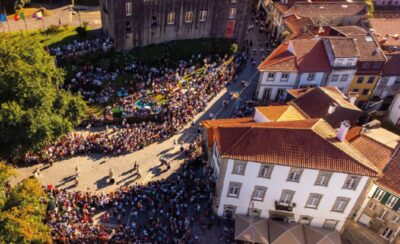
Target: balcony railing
[(284, 206)]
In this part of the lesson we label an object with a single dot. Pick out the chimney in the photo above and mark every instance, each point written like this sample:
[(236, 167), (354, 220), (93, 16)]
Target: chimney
[(352, 97), (332, 108), (344, 128)]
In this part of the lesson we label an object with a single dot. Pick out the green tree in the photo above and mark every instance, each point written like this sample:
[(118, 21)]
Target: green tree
[(19, 4), (22, 217), (6, 172), (34, 110)]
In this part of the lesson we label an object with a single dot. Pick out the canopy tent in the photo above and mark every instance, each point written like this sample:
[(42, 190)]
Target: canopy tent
[(255, 230), (266, 231)]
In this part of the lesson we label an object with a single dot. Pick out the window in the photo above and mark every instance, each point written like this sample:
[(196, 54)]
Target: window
[(313, 200), (396, 219), (360, 79), (294, 175), (171, 18), (392, 201), (350, 62), (340, 204), (377, 65), (189, 17), (351, 182), (323, 178), (366, 65), (254, 212), (229, 211), (239, 167), (372, 205), (334, 78), (344, 77), (233, 1), (371, 80), (355, 90), (382, 214), (265, 171), (340, 61), (128, 26), (286, 197), (232, 13), (153, 21), (128, 8), (234, 189), (203, 16), (271, 76), (285, 76), (330, 224), (305, 220), (387, 233), (259, 193), (397, 81), (379, 194), (311, 76), (365, 92)]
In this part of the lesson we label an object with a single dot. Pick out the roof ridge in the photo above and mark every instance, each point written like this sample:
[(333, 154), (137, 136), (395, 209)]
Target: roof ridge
[(371, 166)]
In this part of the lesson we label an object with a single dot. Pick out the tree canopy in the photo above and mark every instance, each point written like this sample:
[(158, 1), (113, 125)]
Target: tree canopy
[(34, 110), (22, 211)]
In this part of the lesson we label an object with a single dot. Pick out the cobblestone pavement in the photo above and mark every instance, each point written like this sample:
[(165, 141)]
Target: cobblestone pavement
[(62, 15)]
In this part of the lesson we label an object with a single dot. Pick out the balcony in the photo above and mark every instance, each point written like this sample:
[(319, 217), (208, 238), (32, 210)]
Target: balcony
[(284, 206)]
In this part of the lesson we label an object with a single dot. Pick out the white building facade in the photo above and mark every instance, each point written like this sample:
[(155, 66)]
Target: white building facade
[(394, 110), (273, 85), (309, 196)]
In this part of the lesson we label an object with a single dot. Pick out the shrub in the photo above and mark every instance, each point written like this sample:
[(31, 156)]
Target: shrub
[(52, 29), (65, 26), (85, 24)]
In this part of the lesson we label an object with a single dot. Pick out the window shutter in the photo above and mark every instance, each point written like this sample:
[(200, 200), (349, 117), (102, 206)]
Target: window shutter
[(376, 192), (397, 205), (385, 198)]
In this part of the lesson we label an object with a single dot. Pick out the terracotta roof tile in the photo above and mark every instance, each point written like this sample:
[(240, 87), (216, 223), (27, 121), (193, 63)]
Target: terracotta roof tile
[(310, 55), (343, 47), (297, 24), (391, 173), (281, 113), (392, 66), (279, 60), (366, 43), (326, 96), (386, 30), (305, 144), (318, 9)]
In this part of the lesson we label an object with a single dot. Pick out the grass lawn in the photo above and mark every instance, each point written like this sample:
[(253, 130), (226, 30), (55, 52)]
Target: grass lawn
[(61, 37)]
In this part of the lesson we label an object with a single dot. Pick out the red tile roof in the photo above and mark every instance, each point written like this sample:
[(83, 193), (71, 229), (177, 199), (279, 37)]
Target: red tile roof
[(343, 47), (281, 113), (386, 30), (311, 55), (391, 179), (326, 96), (318, 9), (306, 144), (279, 60), (297, 24), (392, 66)]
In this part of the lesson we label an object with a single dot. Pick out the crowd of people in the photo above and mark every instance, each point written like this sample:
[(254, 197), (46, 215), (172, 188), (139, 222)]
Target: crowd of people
[(184, 101), (79, 48), (160, 212)]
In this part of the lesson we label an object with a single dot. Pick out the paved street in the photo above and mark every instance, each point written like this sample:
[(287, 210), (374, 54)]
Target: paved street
[(60, 14)]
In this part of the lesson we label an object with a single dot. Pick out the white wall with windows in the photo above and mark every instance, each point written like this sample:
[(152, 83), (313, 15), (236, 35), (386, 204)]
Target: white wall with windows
[(315, 193), (311, 79), (271, 84), (341, 79), (394, 110), (384, 87)]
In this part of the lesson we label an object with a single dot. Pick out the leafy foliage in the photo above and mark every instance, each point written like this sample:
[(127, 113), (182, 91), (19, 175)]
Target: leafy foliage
[(19, 4), (33, 108), (22, 211)]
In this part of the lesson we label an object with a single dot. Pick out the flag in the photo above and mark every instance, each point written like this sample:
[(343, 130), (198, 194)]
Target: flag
[(3, 18), (38, 15), (16, 17)]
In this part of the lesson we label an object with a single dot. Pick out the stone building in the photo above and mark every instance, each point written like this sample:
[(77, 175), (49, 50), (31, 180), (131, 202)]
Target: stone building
[(133, 23)]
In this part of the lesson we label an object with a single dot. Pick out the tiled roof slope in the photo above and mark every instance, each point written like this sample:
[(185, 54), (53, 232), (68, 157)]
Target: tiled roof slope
[(306, 144), (309, 56), (281, 113), (279, 60), (367, 45), (343, 47), (327, 9), (326, 96), (391, 175), (386, 30)]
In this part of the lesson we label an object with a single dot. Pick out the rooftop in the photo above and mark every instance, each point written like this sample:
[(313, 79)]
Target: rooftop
[(391, 179), (343, 47), (297, 24), (308, 143), (281, 113), (386, 30), (318, 9), (281, 59), (392, 66)]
